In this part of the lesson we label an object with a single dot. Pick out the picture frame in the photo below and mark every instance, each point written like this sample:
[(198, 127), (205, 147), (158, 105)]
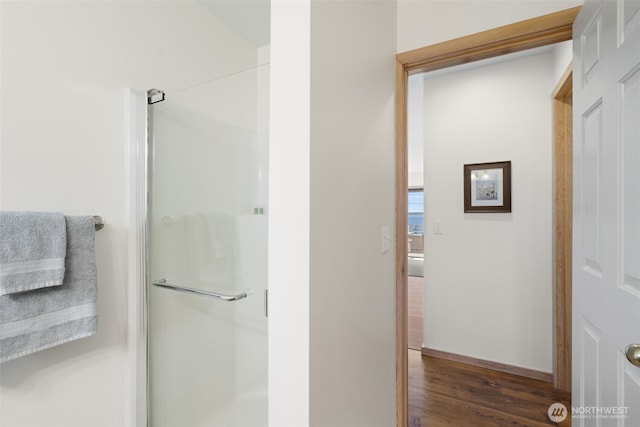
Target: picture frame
[(487, 187)]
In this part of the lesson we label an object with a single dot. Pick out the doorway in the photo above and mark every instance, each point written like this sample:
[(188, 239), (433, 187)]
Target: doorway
[(536, 32)]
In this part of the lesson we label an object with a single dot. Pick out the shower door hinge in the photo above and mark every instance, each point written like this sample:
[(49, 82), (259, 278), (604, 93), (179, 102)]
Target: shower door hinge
[(154, 96), (266, 303)]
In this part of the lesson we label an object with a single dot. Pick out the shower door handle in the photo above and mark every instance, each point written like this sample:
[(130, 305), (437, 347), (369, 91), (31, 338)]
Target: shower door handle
[(225, 297)]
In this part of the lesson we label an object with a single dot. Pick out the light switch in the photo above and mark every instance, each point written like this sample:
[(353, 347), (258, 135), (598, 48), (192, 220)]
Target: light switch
[(386, 239), (438, 227)]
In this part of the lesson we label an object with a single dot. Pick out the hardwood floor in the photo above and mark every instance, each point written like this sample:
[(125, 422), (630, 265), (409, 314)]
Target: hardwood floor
[(414, 312), (447, 393)]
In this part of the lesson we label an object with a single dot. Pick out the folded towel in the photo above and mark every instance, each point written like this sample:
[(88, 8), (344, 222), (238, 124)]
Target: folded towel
[(32, 250), (222, 234), (209, 247), (43, 318), (197, 250)]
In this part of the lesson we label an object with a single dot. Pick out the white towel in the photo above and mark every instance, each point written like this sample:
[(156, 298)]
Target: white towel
[(222, 234), (32, 250), (210, 248)]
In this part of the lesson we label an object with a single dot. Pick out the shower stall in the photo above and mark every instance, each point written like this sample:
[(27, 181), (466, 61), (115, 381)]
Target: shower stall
[(207, 253)]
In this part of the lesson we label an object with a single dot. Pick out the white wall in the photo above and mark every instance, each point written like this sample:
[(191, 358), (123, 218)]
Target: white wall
[(425, 22), (415, 130), (562, 57), (352, 299), (289, 170), (331, 160), (64, 69), (488, 277)]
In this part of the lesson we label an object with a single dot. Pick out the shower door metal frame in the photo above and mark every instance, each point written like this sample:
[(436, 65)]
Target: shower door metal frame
[(136, 397)]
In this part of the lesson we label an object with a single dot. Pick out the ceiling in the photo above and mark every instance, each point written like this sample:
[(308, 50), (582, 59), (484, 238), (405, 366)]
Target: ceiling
[(249, 18)]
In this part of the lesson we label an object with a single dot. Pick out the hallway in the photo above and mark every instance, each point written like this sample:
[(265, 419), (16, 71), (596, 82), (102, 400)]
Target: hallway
[(443, 392), (447, 393)]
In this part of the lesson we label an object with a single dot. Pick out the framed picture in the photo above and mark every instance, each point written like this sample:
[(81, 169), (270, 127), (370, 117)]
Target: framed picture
[(487, 187)]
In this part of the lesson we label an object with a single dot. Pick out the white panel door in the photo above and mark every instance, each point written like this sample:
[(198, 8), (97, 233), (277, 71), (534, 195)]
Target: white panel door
[(606, 266)]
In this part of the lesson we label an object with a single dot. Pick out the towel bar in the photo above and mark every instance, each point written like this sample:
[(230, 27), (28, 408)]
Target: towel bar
[(99, 222), (163, 283)]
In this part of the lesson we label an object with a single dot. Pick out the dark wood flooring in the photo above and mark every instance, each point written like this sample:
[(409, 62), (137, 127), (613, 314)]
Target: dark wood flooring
[(447, 393)]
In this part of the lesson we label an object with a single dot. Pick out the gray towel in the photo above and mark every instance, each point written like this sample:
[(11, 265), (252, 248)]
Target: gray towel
[(36, 320), (32, 250)]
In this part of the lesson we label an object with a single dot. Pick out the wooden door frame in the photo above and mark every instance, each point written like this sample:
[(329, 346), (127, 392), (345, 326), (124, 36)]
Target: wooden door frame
[(542, 31), (562, 227)]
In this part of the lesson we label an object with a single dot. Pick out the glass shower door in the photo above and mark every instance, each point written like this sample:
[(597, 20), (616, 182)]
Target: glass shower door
[(208, 254)]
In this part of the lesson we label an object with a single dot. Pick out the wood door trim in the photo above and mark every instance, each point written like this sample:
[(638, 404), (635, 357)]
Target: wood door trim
[(523, 35), (488, 364), (562, 226), (536, 32), (402, 248)]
